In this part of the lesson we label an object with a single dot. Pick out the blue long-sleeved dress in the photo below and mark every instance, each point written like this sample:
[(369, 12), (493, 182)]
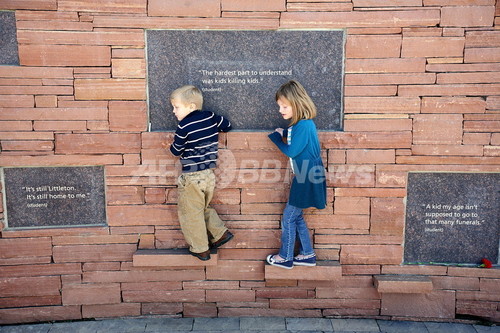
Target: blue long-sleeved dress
[(308, 187)]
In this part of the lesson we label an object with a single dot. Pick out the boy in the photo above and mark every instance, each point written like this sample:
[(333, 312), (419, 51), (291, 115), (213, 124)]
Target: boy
[(196, 142)]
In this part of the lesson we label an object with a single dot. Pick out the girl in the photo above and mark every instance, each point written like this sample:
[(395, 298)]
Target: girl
[(308, 187)]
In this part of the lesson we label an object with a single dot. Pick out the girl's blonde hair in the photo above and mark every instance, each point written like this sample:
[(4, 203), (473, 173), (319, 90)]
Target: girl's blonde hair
[(187, 95), (302, 105)]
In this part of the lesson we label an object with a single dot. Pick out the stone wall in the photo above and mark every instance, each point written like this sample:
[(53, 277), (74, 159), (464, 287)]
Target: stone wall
[(422, 93)]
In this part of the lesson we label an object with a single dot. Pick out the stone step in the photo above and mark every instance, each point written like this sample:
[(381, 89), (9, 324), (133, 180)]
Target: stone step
[(403, 284), (325, 270), (170, 258)]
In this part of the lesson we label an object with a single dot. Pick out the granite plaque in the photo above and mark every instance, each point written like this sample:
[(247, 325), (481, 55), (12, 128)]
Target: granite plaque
[(240, 71), (452, 218), (54, 196), (8, 39)]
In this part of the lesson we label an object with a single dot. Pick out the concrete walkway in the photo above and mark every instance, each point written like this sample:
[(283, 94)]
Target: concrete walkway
[(251, 324)]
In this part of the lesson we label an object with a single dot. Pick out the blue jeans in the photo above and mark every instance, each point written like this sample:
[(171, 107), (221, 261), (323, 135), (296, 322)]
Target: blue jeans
[(293, 226)]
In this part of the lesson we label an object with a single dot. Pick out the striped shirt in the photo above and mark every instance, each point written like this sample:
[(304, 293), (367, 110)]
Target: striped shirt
[(196, 140)]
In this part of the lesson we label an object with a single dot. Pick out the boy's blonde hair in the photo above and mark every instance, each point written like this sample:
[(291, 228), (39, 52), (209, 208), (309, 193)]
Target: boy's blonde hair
[(187, 95), (302, 105)]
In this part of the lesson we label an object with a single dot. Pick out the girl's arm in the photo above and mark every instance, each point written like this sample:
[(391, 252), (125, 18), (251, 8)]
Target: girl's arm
[(300, 139)]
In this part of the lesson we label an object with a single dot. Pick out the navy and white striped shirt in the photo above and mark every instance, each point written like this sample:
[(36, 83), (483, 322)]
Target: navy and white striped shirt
[(196, 140)]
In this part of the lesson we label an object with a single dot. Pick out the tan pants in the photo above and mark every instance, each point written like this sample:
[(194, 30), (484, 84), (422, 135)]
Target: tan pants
[(199, 222)]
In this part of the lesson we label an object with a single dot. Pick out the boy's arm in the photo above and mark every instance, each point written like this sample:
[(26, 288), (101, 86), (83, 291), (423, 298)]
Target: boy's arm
[(179, 143), (223, 125)]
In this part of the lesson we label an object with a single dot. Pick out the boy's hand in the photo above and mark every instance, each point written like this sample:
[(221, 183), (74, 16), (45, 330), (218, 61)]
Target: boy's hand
[(165, 145)]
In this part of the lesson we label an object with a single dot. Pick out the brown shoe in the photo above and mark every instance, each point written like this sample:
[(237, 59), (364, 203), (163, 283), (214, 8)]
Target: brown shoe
[(226, 237), (202, 256)]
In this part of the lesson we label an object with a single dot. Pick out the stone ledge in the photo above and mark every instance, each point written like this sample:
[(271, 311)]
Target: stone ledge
[(171, 258), (403, 284), (325, 270)]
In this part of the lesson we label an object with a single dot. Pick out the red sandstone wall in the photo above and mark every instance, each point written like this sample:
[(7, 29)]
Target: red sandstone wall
[(422, 93)]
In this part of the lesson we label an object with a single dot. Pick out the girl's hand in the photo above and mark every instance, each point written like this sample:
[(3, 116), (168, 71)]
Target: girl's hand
[(279, 130)]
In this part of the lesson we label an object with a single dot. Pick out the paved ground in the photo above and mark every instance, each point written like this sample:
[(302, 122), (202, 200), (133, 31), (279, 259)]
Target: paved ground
[(253, 325)]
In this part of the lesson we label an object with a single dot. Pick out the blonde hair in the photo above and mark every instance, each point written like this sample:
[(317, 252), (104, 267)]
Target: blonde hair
[(302, 105), (188, 94)]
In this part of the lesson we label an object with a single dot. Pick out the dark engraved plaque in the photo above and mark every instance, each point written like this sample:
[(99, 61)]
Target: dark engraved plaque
[(452, 218), (240, 71), (54, 196), (8, 39)]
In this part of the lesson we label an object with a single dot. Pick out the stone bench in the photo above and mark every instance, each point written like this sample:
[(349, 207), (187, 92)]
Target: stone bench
[(325, 270), (170, 258), (403, 284)]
